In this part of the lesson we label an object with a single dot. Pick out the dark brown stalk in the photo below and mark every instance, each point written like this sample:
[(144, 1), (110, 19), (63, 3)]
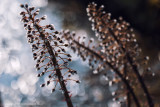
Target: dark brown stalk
[(60, 77), (106, 28), (114, 69), (128, 100), (150, 102), (134, 67), (58, 72), (52, 55), (128, 93)]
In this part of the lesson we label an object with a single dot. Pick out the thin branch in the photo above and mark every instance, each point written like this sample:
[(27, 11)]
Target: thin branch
[(101, 58), (134, 67), (33, 25)]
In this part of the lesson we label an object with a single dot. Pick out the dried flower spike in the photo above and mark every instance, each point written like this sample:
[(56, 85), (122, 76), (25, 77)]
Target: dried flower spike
[(95, 56), (118, 41), (44, 47)]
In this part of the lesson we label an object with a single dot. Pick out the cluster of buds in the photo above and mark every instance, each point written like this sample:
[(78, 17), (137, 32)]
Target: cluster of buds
[(118, 50), (87, 51), (117, 39), (97, 61), (119, 45), (48, 50)]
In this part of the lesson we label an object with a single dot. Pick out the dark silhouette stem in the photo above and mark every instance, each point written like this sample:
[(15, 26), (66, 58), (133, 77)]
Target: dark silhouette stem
[(128, 100), (54, 61), (115, 70), (134, 67), (128, 94), (150, 102), (59, 74)]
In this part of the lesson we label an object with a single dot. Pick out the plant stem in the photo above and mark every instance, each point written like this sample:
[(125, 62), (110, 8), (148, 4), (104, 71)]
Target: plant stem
[(59, 74), (54, 61), (115, 70), (128, 100), (134, 67)]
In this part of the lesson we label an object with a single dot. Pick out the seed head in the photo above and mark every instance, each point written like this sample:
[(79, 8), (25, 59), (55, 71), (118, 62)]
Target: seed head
[(42, 85), (26, 5), (22, 6)]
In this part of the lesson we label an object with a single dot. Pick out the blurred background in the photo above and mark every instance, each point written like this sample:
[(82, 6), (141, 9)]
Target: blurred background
[(19, 85)]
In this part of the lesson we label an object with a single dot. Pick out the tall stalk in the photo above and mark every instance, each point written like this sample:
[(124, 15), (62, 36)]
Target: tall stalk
[(48, 46)]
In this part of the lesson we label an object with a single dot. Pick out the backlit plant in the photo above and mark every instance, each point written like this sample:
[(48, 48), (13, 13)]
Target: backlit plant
[(119, 44), (116, 51), (48, 50)]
